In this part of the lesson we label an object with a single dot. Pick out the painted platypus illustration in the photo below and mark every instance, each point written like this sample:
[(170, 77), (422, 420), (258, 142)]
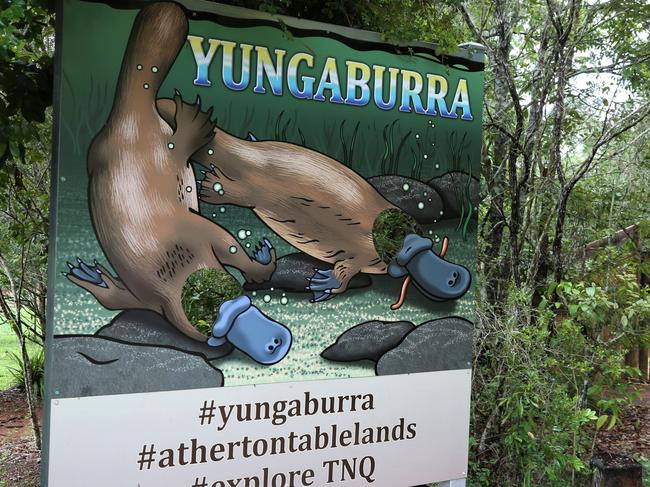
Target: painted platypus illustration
[(327, 210), (144, 204)]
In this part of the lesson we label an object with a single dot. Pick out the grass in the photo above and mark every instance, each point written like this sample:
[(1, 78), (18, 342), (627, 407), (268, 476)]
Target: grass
[(8, 344), (369, 149)]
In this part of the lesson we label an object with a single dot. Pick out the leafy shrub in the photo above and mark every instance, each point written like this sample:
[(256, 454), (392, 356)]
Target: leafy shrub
[(203, 293), (37, 365), (548, 380), (389, 230)]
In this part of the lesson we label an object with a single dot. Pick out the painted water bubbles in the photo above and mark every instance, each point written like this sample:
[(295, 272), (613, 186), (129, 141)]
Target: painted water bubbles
[(242, 234)]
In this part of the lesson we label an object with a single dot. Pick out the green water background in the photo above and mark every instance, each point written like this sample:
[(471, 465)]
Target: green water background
[(368, 139)]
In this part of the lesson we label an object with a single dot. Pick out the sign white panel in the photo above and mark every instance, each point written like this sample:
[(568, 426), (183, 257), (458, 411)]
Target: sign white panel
[(392, 431)]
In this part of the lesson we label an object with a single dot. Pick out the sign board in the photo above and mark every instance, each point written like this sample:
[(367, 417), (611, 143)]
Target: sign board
[(262, 251)]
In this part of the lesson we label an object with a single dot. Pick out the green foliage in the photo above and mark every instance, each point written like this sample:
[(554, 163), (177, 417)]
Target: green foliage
[(535, 407), (26, 48), (203, 293), (548, 378), (24, 226), (611, 313), (435, 21), (37, 365), (389, 230), (543, 392), (611, 321), (8, 344)]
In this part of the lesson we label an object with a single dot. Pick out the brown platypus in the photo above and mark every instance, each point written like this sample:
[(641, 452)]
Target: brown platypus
[(327, 210), (321, 208), (143, 193)]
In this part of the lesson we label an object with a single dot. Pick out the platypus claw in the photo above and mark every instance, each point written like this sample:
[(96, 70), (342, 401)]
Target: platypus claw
[(317, 284), (322, 296), (263, 253), (322, 284), (326, 274), (87, 273)]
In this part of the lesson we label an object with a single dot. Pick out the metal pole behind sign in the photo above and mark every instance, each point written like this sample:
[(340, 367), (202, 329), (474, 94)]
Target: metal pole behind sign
[(452, 483)]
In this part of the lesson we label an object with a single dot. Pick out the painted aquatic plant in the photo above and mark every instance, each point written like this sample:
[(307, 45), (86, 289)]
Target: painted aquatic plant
[(457, 146), (467, 208), (348, 147), (416, 169), (353, 143), (286, 129), (245, 124), (89, 115), (391, 157), (457, 150)]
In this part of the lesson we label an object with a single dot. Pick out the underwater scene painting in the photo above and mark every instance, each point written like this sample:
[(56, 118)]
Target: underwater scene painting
[(242, 200)]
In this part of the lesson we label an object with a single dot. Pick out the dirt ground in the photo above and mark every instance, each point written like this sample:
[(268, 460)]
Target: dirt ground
[(20, 461), (632, 436)]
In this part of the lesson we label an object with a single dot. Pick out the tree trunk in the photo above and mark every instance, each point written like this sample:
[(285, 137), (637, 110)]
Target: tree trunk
[(496, 271), (643, 363), (558, 272), (632, 357), (564, 54), (611, 470), (29, 393), (644, 280)]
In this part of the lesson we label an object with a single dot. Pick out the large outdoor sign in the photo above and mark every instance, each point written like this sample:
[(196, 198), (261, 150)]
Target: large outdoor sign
[(262, 254)]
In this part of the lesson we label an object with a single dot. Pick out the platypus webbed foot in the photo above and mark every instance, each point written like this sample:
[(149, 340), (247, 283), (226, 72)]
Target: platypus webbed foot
[(263, 253), (86, 273), (110, 291), (322, 285), (193, 128), (243, 325), (435, 277)]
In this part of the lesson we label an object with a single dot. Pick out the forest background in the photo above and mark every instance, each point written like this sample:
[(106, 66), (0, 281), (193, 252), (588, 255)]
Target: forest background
[(563, 311)]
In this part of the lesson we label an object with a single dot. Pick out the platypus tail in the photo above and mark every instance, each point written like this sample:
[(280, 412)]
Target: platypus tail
[(110, 291), (157, 36)]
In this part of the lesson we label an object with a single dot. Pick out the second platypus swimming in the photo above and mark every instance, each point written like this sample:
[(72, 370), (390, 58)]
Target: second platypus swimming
[(327, 210)]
